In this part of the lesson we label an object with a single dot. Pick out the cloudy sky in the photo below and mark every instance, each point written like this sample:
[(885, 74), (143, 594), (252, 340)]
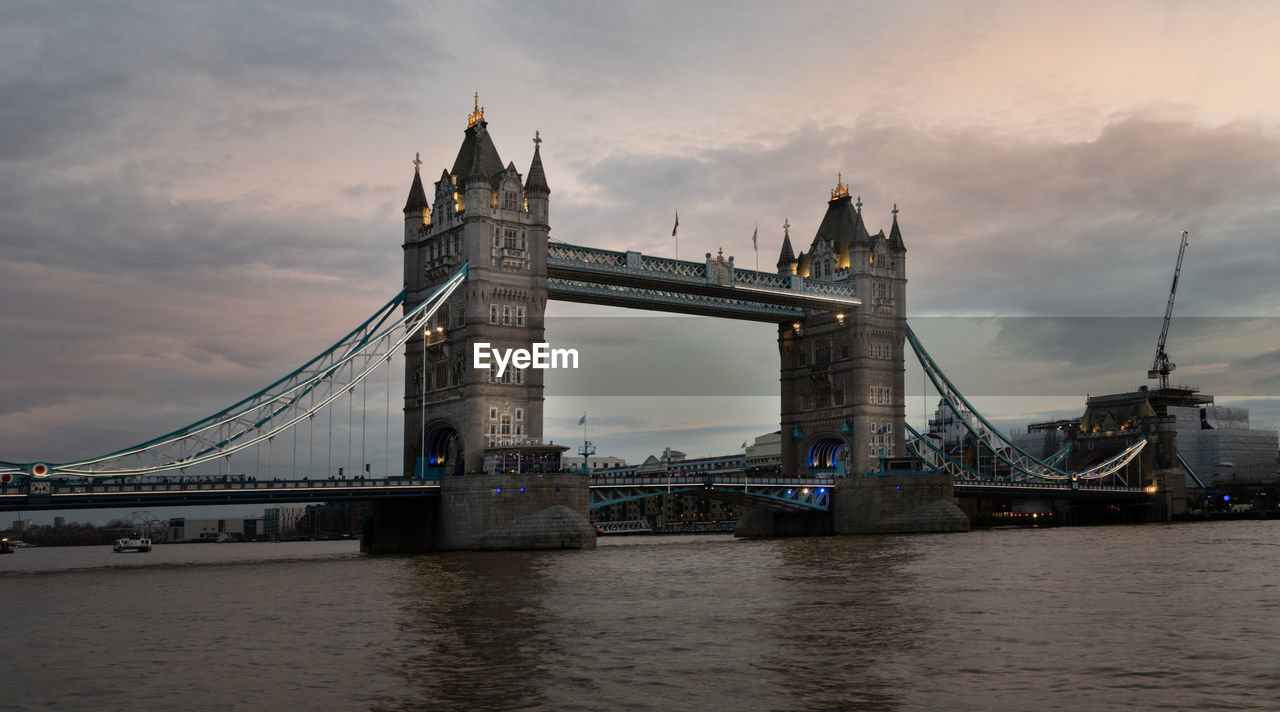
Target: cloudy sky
[(196, 198)]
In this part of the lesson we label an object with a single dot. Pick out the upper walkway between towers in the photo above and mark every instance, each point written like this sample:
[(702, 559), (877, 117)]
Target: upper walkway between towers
[(712, 287)]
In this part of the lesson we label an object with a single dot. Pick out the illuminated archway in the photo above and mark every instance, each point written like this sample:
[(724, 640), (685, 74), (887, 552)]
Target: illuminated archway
[(826, 454), (443, 452)]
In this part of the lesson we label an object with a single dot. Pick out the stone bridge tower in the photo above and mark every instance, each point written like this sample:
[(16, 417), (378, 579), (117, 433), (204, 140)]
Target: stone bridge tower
[(496, 221), (842, 374)]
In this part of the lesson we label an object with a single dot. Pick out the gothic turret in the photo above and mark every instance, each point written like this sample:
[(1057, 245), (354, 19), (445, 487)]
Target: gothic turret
[(787, 259), (417, 212), (895, 234), (536, 191)]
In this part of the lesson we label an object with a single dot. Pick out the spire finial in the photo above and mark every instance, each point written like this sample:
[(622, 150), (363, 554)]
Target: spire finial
[(841, 190), (417, 161), (537, 140), (477, 114), (786, 227), (859, 204), (895, 211)]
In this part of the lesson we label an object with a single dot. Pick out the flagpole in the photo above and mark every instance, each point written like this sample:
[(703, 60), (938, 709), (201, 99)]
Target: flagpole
[(674, 229), (755, 243)]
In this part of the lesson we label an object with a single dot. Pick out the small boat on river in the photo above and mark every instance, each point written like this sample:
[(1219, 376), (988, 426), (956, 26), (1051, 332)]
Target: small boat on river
[(132, 543)]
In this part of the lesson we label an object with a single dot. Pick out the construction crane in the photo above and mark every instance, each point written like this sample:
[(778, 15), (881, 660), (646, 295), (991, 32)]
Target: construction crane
[(1160, 366)]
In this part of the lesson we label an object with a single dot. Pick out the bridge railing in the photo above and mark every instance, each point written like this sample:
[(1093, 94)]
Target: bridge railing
[(679, 271), (738, 480), (196, 486), (675, 268), (1055, 486)]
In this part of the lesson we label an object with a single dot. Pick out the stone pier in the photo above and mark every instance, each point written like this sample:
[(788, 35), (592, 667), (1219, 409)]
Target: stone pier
[(896, 504)]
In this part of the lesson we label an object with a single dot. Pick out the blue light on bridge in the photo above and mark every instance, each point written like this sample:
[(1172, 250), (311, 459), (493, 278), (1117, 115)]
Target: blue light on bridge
[(1226, 498), (497, 490), (521, 490)]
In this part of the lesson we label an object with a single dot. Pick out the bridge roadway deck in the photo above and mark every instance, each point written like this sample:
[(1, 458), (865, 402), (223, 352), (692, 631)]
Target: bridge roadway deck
[(51, 494), (191, 493), (711, 287), (1048, 489)]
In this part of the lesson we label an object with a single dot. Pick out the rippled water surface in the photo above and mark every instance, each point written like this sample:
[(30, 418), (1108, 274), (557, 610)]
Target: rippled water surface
[(1177, 617)]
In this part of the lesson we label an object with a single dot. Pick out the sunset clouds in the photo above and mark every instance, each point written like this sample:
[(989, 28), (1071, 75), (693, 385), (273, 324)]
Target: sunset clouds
[(194, 199)]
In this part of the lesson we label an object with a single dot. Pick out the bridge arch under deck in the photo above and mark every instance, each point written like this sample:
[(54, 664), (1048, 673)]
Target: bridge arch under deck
[(826, 452), (443, 451)]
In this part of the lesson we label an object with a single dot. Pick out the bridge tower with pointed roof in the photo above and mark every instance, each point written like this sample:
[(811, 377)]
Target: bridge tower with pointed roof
[(488, 216), (842, 374)]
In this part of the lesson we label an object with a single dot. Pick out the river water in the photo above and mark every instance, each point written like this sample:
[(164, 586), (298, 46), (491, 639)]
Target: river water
[(1167, 617)]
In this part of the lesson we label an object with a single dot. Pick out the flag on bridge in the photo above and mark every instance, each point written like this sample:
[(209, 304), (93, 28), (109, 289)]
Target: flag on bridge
[(677, 225), (583, 419), (744, 444), (755, 245)]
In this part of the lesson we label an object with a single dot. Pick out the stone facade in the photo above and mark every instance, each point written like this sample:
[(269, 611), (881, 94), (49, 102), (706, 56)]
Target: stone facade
[(892, 504), (510, 512), (842, 374), (488, 217)]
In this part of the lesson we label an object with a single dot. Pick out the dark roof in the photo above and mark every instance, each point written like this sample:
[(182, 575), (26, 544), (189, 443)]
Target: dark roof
[(842, 226), (895, 234), (417, 196), (537, 180), (477, 158), (788, 255)]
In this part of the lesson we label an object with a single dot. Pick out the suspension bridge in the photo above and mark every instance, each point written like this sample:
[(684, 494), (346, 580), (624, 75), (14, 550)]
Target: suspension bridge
[(480, 267)]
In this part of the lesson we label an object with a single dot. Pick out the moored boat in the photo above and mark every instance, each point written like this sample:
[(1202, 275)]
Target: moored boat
[(132, 543)]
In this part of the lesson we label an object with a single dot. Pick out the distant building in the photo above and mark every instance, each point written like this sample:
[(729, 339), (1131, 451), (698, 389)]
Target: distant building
[(670, 509), (281, 522), (330, 520), (1216, 441), (185, 529), (1219, 444), (598, 462), (59, 522), (953, 434), (765, 453)]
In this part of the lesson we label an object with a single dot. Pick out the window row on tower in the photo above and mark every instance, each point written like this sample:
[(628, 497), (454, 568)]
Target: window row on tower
[(822, 352), (510, 375), (505, 427), (441, 246), (509, 238), (507, 314), (823, 397), (882, 440)]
